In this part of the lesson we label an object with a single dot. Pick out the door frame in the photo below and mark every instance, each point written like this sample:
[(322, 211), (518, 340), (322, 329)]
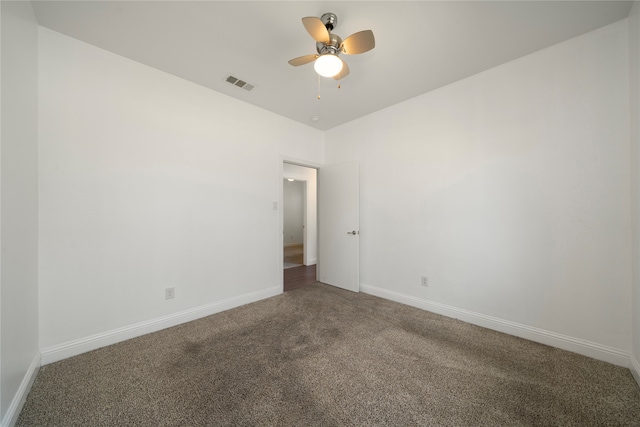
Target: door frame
[(280, 240)]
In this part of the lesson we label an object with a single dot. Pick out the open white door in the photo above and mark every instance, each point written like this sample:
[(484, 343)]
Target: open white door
[(339, 226)]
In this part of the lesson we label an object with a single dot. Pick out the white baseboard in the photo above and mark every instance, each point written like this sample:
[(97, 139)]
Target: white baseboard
[(312, 261), (634, 367), (11, 417), (83, 345), (564, 342)]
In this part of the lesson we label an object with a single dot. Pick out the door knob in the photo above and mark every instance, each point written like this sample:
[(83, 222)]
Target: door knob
[(354, 232)]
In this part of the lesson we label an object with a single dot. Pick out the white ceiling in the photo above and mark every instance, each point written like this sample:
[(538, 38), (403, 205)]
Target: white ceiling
[(420, 45)]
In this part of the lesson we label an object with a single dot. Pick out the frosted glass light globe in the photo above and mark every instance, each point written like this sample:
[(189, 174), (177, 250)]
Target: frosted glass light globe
[(328, 65)]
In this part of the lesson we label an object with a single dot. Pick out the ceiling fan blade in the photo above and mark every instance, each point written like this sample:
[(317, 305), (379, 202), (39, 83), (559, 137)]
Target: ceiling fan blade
[(359, 42), (301, 60), (343, 73), (316, 29)]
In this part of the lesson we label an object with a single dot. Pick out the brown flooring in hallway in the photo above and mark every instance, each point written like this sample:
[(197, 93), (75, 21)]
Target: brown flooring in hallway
[(297, 277), (293, 256)]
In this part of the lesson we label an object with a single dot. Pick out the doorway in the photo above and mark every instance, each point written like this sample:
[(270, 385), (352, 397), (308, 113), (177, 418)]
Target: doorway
[(300, 235)]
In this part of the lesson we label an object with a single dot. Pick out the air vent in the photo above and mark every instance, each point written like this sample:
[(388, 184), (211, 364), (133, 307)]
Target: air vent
[(239, 83)]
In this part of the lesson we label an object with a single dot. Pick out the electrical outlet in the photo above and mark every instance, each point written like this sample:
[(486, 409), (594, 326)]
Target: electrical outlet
[(169, 293), (424, 281)]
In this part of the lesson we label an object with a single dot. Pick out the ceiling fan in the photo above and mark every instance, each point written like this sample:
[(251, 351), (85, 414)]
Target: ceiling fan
[(329, 46)]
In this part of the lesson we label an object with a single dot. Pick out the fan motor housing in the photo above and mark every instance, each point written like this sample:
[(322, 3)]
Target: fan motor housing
[(332, 47)]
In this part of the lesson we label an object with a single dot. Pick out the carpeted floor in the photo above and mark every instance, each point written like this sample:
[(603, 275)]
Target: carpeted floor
[(320, 356)]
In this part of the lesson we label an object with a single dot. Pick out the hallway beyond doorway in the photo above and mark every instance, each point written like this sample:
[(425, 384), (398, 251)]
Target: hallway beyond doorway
[(293, 256)]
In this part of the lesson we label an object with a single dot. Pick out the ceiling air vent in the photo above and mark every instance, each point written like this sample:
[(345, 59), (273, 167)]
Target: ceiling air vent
[(239, 83)]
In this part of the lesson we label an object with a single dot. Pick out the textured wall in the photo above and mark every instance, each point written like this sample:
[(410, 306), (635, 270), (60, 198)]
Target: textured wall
[(509, 190), (19, 205), (148, 181)]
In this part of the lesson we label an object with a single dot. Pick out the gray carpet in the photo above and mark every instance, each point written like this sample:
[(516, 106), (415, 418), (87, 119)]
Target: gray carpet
[(320, 356)]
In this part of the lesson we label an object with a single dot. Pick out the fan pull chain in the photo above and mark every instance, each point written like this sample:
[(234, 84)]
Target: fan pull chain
[(339, 86)]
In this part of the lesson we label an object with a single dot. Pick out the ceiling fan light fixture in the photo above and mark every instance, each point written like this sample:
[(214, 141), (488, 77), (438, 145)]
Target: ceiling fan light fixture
[(328, 65)]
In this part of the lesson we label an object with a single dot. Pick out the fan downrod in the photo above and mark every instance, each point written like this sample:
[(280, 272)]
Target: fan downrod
[(330, 21)]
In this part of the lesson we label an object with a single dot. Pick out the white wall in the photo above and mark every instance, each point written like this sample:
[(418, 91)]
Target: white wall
[(510, 191), (148, 181), (634, 114), (19, 355), (293, 212), (310, 175)]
